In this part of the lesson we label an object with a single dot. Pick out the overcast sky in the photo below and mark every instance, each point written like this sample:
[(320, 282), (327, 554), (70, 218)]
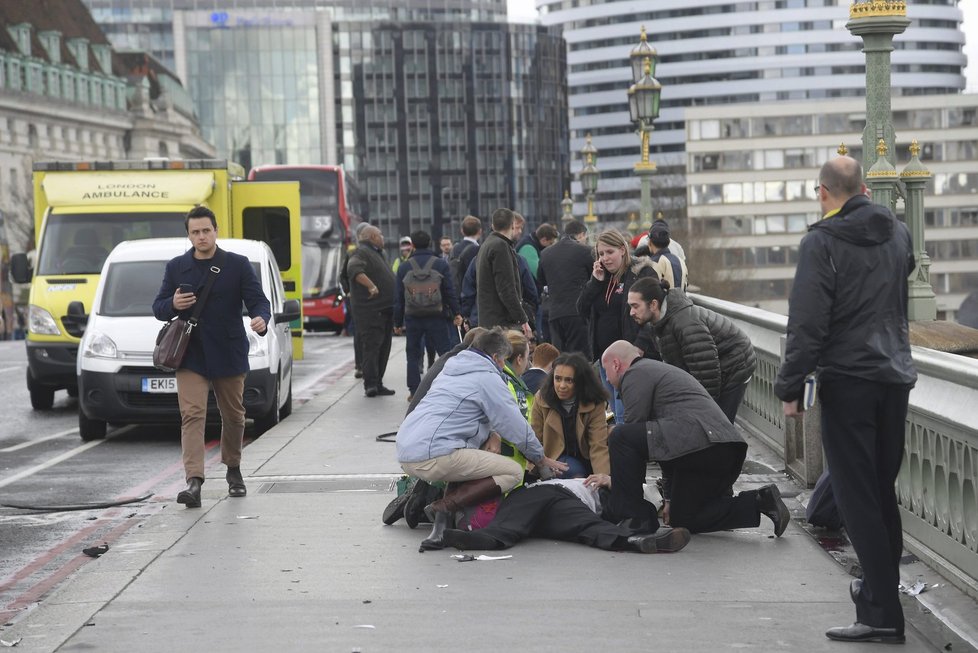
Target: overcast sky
[(525, 10)]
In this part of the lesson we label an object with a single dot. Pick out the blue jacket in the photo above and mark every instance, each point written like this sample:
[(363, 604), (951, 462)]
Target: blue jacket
[(449, 298), (219, 345), (466, 401)]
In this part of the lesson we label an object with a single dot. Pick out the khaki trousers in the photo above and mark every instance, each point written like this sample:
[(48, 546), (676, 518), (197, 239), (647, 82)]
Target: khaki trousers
[(192, 396), (468, 465)]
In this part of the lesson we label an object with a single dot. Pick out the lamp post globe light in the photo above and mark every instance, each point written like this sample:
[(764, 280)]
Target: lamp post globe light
[(567, 205), (643, 108), (589, 178)]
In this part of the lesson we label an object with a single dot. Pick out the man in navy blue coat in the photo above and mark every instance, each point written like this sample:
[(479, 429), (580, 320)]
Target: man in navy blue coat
[(430, 329), (218, 351)]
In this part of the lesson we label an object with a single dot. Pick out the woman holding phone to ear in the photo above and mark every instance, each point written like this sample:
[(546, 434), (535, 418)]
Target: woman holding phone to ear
[(604, 300)]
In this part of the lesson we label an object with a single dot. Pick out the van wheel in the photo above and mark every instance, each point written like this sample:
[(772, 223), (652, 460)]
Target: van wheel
[(42, 396), (269, 419), (90, 429), (286, 408)]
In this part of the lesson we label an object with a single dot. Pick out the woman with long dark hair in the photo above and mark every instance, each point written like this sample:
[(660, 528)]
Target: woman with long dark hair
[(568, 416)]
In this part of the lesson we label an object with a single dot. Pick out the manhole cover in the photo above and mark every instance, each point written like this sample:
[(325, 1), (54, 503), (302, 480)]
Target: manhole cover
[(321, 485)]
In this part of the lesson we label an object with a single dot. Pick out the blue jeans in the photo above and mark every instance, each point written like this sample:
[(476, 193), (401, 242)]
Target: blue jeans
[(576, 467), (615, 403), (419, 330)]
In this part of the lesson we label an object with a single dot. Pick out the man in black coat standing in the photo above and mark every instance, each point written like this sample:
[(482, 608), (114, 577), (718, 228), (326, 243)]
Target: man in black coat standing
[(217, 355), (564, 268), (847, 321), (372, 286)]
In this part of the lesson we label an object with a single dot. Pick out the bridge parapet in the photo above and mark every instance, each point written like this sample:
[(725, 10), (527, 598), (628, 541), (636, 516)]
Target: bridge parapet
[(938, 482)]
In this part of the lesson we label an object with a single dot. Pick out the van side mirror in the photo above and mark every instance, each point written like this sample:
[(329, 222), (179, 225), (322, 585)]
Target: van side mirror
[(76, 319), (290, 311), (20, 268)]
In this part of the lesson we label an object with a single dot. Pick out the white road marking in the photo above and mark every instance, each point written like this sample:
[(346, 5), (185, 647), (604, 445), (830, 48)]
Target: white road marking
[(12, 369), (24, 445), (51, 463)]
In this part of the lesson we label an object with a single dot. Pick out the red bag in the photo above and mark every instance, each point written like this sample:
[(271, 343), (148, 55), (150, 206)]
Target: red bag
[(171, 344)]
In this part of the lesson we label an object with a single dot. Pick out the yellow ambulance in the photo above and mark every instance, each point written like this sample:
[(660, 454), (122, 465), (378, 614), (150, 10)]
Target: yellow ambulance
[(82, 210)]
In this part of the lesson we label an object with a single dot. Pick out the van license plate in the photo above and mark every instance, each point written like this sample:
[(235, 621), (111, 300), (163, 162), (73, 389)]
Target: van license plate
[(159, 384)]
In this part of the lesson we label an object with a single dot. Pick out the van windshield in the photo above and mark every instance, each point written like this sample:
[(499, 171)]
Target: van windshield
[(78, 243), (130, 287)]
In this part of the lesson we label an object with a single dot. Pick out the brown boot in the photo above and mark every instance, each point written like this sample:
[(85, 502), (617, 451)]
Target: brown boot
[(457, 496)]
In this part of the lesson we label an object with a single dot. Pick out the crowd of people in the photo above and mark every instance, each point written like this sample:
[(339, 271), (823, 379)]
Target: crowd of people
[(557, 370)]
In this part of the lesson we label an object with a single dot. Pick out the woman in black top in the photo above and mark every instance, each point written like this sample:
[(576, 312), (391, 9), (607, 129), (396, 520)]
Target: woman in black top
[(604, 299)]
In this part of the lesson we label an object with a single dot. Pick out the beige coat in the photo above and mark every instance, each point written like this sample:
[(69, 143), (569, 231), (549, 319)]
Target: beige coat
[(592, 432)]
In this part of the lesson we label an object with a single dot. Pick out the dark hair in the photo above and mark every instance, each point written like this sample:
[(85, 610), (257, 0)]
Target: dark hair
[(587, 386), (651, 288), (574, 227), (471, 226), (199, 211), (493, 343), (421, 239), (548, 231), (502, 219)]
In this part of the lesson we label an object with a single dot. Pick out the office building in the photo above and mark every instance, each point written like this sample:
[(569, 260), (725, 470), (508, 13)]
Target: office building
[(753, 167), (720, 52), (438, 107)]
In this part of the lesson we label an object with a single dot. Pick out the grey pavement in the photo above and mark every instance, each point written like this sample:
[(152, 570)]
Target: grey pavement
[(303, 563)]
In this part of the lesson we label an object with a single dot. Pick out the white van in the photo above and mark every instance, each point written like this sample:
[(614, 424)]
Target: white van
[(117, 382)]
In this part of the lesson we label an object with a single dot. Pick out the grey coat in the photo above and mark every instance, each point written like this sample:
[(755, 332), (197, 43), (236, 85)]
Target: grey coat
[(680, 416), (706, 344)]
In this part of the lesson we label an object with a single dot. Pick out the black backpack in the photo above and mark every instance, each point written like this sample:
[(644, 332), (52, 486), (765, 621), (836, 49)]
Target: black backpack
[(422, 289)]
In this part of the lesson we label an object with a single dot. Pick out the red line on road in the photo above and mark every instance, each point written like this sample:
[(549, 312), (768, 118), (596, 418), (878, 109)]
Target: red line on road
[(39, 589), (52, 553)]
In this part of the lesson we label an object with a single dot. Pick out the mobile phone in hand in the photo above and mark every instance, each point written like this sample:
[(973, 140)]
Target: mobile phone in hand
[(187, 288)]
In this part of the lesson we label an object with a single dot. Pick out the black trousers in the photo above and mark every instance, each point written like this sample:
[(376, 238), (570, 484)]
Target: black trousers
[(863, 432), (730, 399), (699, 485), (570, 334), (376, 330), (551, 511)]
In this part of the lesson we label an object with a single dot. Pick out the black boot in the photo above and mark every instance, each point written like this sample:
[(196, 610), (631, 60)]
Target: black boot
[(664, 540), (191, 496), (435, 540), (236, 485)]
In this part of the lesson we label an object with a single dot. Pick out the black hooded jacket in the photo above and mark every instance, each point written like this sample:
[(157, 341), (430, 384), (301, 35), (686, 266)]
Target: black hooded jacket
[(848, 305)]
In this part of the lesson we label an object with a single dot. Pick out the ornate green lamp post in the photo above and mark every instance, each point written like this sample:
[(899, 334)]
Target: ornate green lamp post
[(876, 22), (589, 178), (643, 108)]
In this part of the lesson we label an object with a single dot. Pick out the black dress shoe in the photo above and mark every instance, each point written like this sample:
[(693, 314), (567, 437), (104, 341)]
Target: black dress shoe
[(191, 496), (470, 540), (858, 632), (769, 503), (664, 540), (358, 374), (855, 586), (371, 391), (384, 391), (236, 486)]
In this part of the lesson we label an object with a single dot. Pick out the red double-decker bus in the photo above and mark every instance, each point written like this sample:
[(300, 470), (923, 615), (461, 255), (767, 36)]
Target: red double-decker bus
[(329, 203)]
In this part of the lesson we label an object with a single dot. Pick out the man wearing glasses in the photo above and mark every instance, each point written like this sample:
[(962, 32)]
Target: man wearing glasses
[(847, 321)]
